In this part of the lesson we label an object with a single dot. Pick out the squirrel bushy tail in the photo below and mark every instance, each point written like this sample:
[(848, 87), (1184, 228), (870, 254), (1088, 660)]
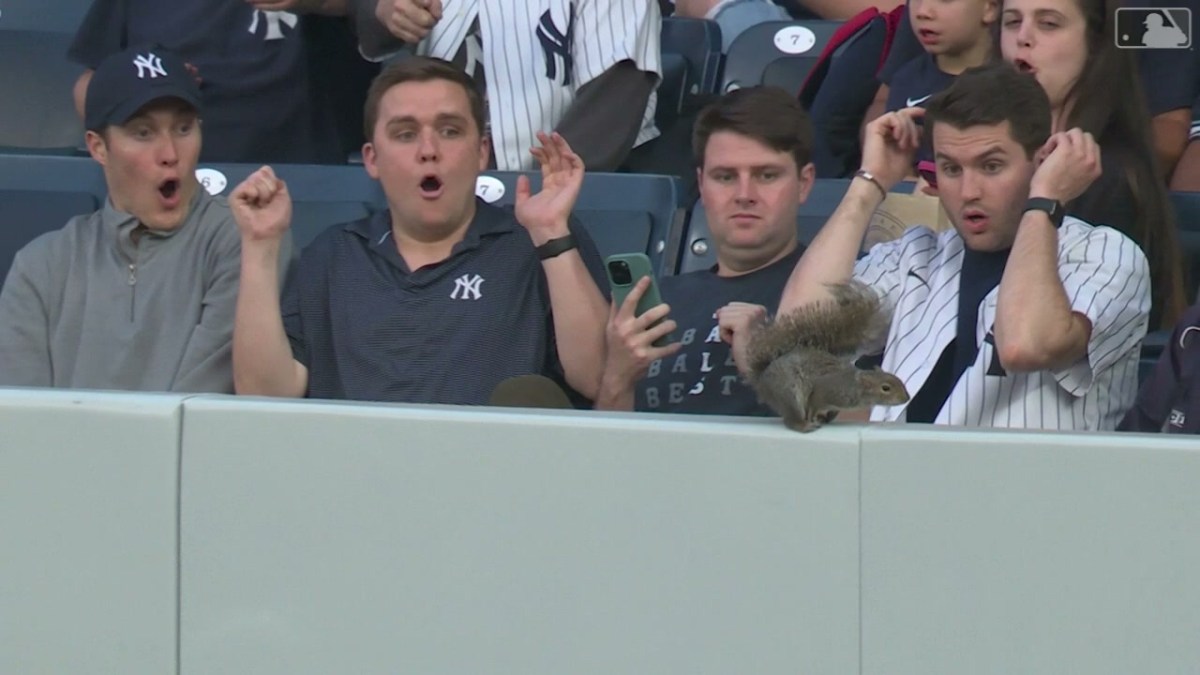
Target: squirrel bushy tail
[(839, 326)]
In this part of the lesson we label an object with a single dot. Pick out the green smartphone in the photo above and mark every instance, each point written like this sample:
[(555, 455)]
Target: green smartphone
[(624, 270)]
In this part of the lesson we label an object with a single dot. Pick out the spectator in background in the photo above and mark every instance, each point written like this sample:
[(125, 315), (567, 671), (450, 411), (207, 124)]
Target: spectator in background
[(1186, 177), (141, 294), (587, 69), (1069, 46), (251, 59), (955, 35), (733, 16), (752, 148), (1169, 400), (1171, 81)]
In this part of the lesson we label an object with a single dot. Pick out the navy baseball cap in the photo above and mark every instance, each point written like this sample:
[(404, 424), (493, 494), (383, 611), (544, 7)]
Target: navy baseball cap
[(128, 80)]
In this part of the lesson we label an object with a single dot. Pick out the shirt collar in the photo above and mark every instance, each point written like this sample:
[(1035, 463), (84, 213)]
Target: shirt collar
[(377, 228), (119, 225)]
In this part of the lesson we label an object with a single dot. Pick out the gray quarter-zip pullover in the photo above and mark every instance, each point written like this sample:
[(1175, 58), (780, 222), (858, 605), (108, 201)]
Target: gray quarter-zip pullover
[(88, 307)]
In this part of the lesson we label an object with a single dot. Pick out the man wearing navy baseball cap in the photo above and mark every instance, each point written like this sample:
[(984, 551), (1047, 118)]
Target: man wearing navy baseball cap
[(141, 294)]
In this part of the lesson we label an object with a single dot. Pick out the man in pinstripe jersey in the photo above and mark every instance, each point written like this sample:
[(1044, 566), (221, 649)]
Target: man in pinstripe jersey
[(584, 68), (1019, 316)]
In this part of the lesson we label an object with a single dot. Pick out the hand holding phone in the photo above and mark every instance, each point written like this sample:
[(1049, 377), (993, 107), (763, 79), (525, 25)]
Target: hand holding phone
[(624, 271)]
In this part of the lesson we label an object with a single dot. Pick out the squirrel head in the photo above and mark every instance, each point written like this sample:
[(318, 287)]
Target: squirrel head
[(881, 388)]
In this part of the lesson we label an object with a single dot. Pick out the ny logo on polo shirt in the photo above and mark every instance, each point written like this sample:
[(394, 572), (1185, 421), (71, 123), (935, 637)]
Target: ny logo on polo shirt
[(149, 65), (466, 287), (273, 20)]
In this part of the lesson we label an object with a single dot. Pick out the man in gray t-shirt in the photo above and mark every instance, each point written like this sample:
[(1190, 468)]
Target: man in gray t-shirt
[(141, 294)]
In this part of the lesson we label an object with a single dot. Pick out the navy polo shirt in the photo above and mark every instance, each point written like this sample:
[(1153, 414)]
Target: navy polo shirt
[(368, 328), (257, 101)]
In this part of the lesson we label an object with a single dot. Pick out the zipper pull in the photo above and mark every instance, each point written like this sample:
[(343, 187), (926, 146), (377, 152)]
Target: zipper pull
[(132, 275)]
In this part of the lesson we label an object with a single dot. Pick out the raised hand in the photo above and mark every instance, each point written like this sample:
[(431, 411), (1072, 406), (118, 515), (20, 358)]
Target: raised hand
[(261, 206), (409, 20), (545, 214), (1070, 163), (736, 321), (890, 145)]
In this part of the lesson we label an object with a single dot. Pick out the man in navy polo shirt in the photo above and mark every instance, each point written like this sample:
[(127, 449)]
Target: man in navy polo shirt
[(438, 299)]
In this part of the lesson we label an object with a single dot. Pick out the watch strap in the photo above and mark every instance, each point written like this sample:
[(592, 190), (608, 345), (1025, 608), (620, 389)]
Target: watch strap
[(1052, 208), (556, 247)]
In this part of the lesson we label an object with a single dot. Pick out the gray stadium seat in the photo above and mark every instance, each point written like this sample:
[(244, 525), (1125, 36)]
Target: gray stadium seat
[(768, 53), (699, 253), (623, 213), (36, 81), (322, 196), (698, 41), (671, 89)]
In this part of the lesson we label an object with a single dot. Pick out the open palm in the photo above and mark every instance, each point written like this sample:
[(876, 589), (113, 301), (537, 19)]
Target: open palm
[(547, 212)]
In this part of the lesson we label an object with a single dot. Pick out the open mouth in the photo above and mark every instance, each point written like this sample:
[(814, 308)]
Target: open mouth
[(169, 188), (1024, 66), (431, 185), (975, 219)]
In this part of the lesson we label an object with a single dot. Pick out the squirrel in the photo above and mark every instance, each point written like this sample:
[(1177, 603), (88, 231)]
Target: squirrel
[(802, 365)]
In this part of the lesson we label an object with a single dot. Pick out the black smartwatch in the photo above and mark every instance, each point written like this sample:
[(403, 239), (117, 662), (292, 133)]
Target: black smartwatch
[(1050, 206), (555, 247)]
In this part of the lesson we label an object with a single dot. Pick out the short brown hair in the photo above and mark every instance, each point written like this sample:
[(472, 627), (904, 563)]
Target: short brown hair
[(993, 94), (420, 69), (769, 115)]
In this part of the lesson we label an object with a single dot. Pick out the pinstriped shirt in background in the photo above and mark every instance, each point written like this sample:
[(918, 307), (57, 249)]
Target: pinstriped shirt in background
[(1106, 278), (538, 53)]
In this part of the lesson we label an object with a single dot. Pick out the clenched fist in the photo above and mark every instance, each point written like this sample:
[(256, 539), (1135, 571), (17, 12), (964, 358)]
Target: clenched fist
[(409, 20), (262, 206)]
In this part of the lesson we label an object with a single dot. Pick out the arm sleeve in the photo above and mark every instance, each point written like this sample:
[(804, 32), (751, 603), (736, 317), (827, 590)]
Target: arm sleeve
[(375, 42), (1169, 78), (207, 364), (1107, 279), (102, 32), (25, 323), (601, 133), (608, 32)]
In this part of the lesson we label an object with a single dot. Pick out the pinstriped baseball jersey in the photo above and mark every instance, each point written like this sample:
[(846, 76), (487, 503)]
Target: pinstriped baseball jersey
[(1106, 278), (537, 53)]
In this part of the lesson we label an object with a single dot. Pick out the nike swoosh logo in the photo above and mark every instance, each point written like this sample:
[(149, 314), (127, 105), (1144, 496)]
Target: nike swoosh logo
[(918, 101)]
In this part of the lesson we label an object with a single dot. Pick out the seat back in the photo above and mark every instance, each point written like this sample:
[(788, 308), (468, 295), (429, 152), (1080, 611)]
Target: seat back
[(623, 213), (36, 81), (698, 41), (779, 53), (51, 16), (699, 250), (39, 194), (322, 195), (671, 89)]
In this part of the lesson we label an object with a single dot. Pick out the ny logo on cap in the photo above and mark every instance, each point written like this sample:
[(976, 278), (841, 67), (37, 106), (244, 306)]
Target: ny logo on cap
[(149, 64)]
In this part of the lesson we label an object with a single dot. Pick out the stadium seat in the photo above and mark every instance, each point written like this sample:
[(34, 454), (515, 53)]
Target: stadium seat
[(698, 41), (623, 213), (36, 106), (40, 194), (699, 253), (52, 16), (323, 196), (777, 53), (671, 89)]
